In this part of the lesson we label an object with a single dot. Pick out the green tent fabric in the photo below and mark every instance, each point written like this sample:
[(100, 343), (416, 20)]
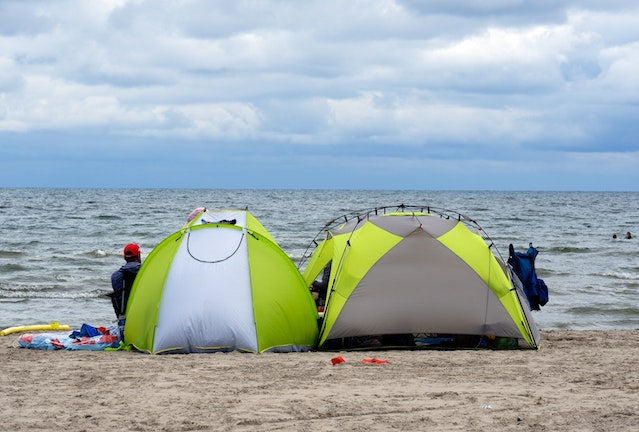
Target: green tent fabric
[(220, 284), (417, 272)]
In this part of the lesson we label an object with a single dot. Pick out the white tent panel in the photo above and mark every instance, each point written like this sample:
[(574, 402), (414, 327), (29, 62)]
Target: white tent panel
[(207, 294)]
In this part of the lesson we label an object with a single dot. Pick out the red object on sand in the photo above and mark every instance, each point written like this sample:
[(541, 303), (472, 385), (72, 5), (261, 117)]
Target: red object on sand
[(337, 360), (375, 361), (27, 338)]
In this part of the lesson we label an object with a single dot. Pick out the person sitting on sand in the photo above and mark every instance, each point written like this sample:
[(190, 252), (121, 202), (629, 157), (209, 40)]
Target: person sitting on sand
[(122, 280)]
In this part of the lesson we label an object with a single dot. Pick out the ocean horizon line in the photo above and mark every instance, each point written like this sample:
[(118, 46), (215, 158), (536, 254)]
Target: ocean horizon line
[(183, 188)]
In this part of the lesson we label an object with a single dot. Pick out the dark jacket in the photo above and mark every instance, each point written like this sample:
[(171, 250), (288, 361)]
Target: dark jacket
[(122, 281)]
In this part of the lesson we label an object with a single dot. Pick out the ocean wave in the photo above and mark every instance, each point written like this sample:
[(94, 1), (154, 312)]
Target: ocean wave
[(560, 325), (621, 275), (8, 268), (604, 310), (98, 253), (568, 249), (144, 234), (10, 254), (108, 217), (22, 295), (27, 288), (543, 272)]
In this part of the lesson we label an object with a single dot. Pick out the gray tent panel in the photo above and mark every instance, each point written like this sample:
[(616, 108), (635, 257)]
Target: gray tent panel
[(449, 296), (349, 226), (402, 225)]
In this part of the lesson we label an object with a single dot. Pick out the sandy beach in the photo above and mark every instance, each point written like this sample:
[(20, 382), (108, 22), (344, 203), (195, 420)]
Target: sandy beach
[(577, 381)]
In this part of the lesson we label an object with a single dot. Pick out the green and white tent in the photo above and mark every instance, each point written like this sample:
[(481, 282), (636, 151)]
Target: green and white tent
[(418, 271), (221, 283)]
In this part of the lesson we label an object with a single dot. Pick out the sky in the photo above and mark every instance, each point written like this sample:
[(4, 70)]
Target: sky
[(351, 94)]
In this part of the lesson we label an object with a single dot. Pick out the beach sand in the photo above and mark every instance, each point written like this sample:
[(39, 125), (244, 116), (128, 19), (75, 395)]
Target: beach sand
[(577, 381)]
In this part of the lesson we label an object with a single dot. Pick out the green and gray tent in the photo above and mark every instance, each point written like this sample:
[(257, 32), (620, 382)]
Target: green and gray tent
[(221, 283), (416, 271)]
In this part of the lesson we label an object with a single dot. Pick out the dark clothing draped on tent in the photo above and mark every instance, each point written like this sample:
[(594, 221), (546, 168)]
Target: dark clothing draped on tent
[(523, 263)]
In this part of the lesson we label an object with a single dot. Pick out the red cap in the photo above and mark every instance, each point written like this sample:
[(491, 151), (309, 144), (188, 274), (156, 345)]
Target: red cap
[(131, 250)]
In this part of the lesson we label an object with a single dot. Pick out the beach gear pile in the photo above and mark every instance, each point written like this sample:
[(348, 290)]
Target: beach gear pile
[(87, 338)]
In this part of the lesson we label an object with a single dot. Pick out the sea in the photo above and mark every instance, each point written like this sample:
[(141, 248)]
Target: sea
[(58, 247)]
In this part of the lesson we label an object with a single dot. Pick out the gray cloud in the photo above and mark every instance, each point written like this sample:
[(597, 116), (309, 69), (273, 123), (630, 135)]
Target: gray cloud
[(411, 83)]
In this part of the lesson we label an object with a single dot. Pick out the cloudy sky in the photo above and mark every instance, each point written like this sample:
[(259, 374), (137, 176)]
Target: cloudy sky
[(353, 94)]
